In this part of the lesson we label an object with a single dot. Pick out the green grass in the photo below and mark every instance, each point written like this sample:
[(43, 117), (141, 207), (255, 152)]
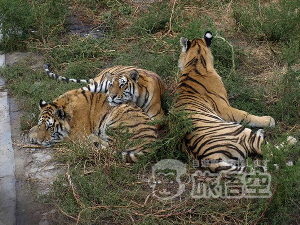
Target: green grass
[(275, 21), (98, 187), (284, 208), (23, 20), (287, 106), (29, 86), (96, 190)]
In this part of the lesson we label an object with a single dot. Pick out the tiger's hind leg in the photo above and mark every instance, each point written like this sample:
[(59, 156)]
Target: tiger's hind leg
[(242, 117), (155, 112), (229, 156)]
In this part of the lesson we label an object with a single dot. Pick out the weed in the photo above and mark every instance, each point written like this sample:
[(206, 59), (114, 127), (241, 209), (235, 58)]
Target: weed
[(30, 84), (291, 52), (79, 49), (285, 203), (92, 193), (270, 21), (287, 105), (170, 145), (92, 4), (30, 19), (155, 20), (83, 69), (122, 138)]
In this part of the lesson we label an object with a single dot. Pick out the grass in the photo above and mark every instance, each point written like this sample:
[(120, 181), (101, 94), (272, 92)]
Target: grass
[(88, 194), (286, 180), (97, 187), (273, 21), (26, 20)]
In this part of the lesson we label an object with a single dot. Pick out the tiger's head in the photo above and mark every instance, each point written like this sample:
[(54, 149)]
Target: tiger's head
[(193, 48), (122, 88), (53, 125)]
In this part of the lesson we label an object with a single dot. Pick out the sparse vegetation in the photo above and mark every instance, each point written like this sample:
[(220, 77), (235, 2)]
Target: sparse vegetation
[(264, 79), (273, 21), (30, 20)]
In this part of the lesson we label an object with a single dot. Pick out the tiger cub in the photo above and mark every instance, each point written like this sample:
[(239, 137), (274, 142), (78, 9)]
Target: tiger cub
[(77, 114), (218, 141), (124, 84)]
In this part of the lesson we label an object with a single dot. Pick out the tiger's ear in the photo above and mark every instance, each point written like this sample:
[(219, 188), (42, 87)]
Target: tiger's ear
[(60, 113), (108, 75), (42, 104), (185, 44), (208, 37), (134, 75)]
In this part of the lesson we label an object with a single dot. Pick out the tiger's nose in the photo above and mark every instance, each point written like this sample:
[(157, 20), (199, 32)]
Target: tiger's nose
[(112, 96)]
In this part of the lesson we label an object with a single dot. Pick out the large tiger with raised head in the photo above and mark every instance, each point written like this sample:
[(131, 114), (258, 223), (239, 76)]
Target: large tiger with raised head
[(218, 139), (78, 114), (124, 84)]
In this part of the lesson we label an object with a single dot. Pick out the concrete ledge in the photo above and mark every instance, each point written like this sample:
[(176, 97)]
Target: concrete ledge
[(7, 201), (7, 162), (2, 60)]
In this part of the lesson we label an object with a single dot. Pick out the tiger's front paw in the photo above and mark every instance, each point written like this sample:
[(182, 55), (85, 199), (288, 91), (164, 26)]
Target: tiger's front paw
[(32, 135), (272, 122)]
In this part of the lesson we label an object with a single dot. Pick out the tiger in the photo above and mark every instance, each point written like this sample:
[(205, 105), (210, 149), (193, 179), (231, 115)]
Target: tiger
[(219, 141), (78, 114), (124, 84)]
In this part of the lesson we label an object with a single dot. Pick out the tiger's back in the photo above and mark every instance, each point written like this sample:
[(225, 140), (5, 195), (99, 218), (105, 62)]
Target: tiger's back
[(146, 90), (218, 140)]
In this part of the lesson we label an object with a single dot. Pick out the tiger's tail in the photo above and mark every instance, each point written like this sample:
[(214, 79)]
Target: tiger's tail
[(290, 141), (131, 156), (66, 79)]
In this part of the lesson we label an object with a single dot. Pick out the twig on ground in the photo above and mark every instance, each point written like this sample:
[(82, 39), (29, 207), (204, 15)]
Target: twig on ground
[(99, 207), (232, 50), (295, 204), (171, 17), (269, 202), (29, 146), (75, 193), (67, 215)]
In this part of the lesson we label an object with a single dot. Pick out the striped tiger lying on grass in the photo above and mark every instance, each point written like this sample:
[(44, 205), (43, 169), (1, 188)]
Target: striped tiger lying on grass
[(218, 140), (77, 114), (124, 84)]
